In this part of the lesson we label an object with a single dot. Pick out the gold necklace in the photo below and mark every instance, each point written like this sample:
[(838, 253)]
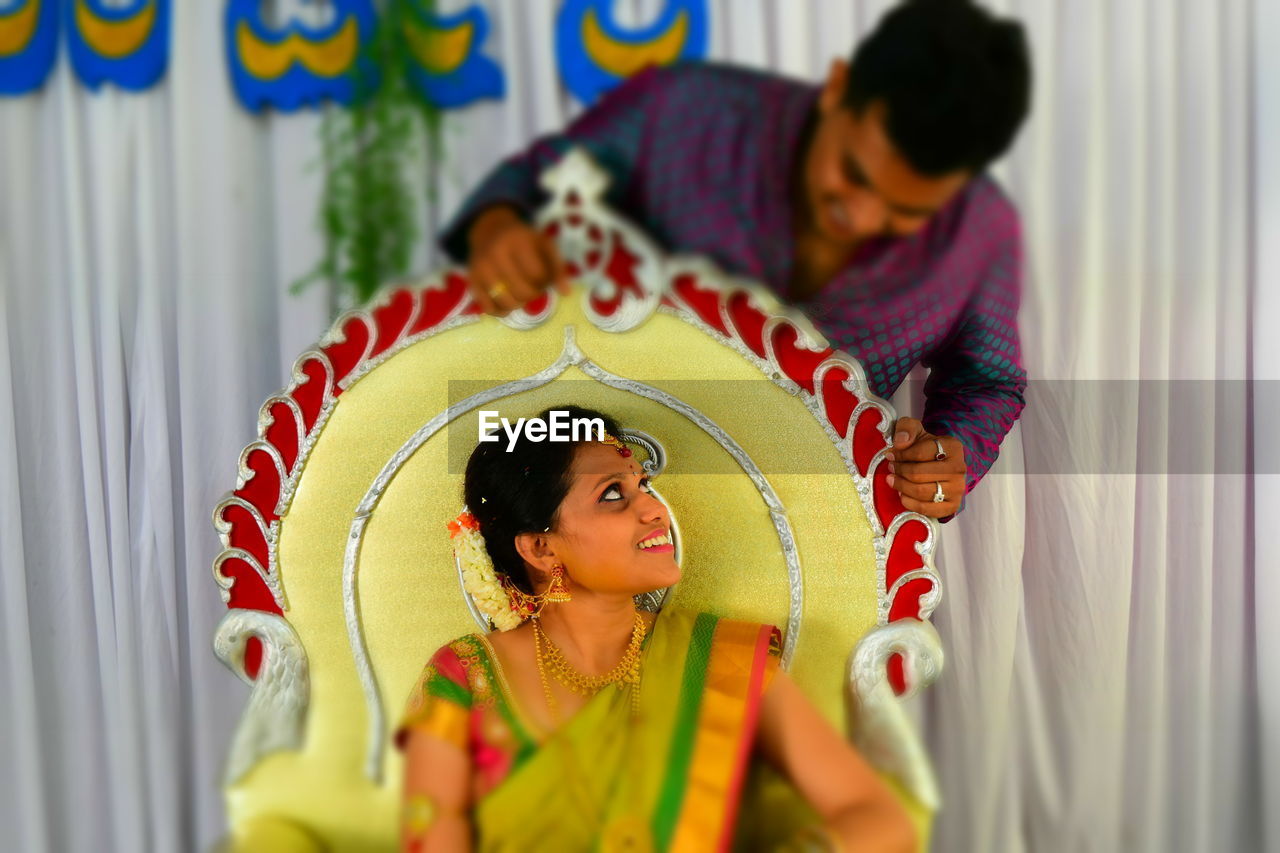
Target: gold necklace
[(549, 657)]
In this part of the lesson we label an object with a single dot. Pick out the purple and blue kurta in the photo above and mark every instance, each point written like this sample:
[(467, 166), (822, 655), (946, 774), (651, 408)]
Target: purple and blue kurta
[(701, 156)]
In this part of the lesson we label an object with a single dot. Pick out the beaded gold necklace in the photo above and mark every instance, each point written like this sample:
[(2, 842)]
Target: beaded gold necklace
[(549, 657)]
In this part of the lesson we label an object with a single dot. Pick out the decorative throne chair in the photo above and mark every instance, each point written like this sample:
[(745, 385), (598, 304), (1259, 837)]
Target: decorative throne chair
[(765, 443)]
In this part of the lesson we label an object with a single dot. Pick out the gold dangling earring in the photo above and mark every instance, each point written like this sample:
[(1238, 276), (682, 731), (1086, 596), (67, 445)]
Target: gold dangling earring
[(557, 592)]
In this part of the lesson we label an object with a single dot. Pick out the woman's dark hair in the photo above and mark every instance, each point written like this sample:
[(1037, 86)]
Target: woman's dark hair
[(520, 491), (955, 81)]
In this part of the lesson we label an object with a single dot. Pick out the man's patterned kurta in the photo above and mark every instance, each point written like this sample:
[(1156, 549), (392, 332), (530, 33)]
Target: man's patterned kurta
[(701, 156)]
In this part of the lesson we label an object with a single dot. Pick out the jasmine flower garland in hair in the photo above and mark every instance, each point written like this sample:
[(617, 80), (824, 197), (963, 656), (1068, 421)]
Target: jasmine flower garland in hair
[(478, 575)]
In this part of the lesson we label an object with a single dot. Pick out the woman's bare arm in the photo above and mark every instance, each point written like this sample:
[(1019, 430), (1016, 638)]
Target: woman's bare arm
[(855, 805), (437, 785)]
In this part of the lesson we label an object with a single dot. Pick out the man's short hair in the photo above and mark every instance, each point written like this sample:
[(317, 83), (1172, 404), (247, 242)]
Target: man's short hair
[(955, 81)]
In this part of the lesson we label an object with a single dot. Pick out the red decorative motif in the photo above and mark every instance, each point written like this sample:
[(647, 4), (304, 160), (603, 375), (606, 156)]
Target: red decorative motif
[(439, 303), (904, 558), (797, 362), (748, 321), (838, 403), (284, 433), (703, 302), (888, 501), (897, 674), (263, 485), (351, 348), (310, 391), (621, 270), (245, 533), (612, 258), (391, 319), (538, 304), (868, 440)]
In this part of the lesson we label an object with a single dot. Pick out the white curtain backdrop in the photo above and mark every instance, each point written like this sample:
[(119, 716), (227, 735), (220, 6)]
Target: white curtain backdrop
[(1265, 369), (1106, 595)]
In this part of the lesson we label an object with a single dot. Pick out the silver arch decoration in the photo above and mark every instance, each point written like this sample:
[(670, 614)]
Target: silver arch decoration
[(777, 512), (570, 355), (656, 462)]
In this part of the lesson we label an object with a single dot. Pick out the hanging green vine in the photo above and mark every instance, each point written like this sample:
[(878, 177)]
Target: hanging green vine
[(369, 212)]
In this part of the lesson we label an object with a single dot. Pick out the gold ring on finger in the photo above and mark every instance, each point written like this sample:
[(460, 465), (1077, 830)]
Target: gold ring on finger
[(497, 290)]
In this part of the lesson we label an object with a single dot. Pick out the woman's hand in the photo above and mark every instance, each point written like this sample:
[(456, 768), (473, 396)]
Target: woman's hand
[(856, 807), (511, 263)]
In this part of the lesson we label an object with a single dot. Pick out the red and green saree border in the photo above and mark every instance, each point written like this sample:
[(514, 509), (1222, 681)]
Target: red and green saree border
[(727, 669)]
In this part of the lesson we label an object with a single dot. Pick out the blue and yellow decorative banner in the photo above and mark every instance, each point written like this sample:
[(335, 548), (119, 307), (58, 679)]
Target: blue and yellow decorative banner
[(28, 45), (595, 54), (296, 64), (445, 63), (124, 45)]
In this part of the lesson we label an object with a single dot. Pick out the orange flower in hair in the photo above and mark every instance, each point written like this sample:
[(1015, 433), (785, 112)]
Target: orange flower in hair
[(465, 521)]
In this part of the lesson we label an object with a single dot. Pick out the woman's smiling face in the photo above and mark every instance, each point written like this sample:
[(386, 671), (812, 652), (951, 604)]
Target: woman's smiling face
[(612, 535)]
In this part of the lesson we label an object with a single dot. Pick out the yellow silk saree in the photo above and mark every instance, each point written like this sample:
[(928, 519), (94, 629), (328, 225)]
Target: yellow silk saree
[(666, 778)]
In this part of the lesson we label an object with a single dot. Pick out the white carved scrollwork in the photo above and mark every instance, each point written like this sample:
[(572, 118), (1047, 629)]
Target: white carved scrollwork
[(589, 236), (277, 706), (522, 319), (655, 461), (877, 721)]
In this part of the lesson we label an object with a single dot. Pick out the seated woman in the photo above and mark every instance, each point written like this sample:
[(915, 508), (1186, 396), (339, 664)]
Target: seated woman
[(585, 723)]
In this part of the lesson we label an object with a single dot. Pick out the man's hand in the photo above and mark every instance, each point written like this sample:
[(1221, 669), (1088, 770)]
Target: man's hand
[(916, 472), (511, 263)]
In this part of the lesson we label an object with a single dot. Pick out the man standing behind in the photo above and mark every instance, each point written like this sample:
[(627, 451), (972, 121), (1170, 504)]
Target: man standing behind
[(863, 202)]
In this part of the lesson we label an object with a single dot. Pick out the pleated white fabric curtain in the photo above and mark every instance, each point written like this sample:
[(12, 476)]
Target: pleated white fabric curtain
[(1265, 370), (1109, 633)]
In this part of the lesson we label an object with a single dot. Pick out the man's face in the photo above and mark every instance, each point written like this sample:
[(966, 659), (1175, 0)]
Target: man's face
[(856, 184)]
